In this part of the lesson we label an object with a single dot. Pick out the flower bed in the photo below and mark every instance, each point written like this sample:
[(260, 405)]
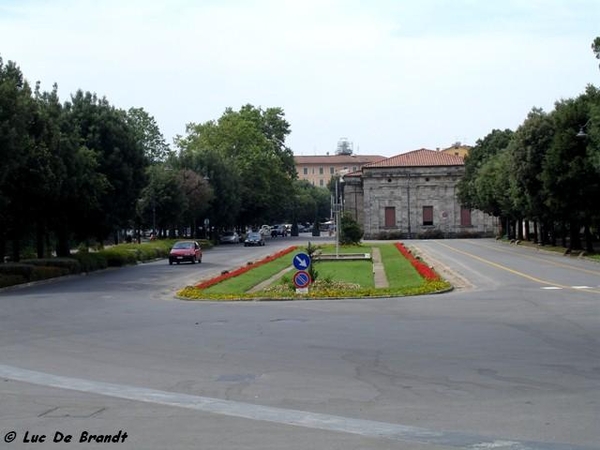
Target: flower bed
[(424, 270), (241, 270)]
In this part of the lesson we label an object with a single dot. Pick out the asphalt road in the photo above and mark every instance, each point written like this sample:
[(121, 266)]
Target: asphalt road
[(509, 360)]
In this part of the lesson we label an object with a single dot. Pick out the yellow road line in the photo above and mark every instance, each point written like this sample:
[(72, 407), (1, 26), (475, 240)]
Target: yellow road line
[(534, 258), (516, 272)]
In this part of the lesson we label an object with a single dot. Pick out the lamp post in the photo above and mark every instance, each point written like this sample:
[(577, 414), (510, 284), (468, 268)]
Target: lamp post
[(582, 133), (338, 210)]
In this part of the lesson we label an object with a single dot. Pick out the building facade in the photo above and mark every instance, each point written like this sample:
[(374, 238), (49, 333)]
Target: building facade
[(318, 170), (413, 195)]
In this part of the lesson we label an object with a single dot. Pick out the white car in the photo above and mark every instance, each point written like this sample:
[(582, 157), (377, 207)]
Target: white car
[(265, 230)]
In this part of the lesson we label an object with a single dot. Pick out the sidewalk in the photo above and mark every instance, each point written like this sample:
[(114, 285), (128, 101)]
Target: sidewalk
[(379, 276)]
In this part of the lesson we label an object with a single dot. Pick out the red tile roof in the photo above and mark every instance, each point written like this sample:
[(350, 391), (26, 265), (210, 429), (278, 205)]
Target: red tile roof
[(419, 158)]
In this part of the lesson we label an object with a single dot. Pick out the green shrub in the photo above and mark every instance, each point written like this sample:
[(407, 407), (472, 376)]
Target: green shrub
[(71, 264), (119, 256), (91, 261), (431, 234), (20, 269), (351, 232), (11, 280), (392, 235), (46, 272)]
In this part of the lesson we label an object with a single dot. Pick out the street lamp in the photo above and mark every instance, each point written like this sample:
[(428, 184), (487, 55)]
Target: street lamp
[(338, 210), (582, 133)]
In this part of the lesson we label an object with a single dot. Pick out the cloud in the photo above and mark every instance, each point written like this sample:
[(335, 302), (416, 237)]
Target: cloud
[(391, 76)]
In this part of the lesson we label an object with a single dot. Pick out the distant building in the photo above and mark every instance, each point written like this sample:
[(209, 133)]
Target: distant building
[(458, 149), (319, 169), (413, 195)]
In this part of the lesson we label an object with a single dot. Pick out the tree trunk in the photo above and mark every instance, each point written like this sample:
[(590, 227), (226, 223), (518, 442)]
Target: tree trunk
[(62, 241), (39, 237), (589, 240), (16, 249), (575, 238)]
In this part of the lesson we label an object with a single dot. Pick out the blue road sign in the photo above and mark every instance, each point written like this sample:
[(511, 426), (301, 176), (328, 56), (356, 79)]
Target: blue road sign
[(301, 279), (301, 261)]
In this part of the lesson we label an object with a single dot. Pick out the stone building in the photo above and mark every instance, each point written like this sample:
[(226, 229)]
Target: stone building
[(413, 195)]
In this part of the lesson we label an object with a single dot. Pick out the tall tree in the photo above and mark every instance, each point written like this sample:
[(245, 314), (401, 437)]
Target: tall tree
[(495, 142), (250, 143), (104, 130), (527, 150), (16, 145), (596, 47), (148, 136), (570, 176)]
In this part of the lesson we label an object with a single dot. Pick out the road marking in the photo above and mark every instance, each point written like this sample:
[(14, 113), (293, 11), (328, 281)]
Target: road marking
[(327, 422), (536, 258), (513, 271), (549, 288)]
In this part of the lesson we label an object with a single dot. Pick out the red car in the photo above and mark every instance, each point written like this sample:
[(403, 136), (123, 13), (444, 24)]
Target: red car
[(185, 251)]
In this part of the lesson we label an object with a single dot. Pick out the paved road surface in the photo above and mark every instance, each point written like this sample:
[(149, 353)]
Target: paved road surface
[(509, 361)]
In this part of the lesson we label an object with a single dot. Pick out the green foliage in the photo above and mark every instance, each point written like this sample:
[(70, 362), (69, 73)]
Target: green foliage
[(71, 264), (24, 270), (312, 251), (91, 261), (46, 272), (350, 230), (18, 272), (249, 167), (11, 280), (596, 47)]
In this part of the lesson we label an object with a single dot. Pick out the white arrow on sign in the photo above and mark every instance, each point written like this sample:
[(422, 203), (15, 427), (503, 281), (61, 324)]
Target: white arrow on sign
[(301, 261)]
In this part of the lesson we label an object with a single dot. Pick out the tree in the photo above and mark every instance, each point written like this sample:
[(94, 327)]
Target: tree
[(148, 136), (104, 130), (495, 142), (249, 166), (527, 151), (162, 203), (570, 176), (596, 47), (16, 146)]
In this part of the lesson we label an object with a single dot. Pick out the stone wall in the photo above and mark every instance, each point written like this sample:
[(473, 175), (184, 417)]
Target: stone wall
[(405, 192)]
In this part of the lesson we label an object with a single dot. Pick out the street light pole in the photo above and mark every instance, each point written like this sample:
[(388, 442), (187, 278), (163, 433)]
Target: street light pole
[(336, 209)]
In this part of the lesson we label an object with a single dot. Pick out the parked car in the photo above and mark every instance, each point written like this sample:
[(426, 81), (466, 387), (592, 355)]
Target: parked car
[(254, 238), (265, 230), (229, 237), (185, 251), (279, 230)]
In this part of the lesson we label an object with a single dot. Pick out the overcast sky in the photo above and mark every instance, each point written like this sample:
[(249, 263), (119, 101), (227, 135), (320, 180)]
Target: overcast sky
[(391, 76)]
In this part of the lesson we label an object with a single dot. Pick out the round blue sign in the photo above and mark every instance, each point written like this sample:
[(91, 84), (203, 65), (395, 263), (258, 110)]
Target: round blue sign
[(301, 261), (301, 279)]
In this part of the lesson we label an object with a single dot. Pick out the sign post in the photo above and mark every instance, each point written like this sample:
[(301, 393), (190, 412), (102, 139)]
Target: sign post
[(302, 279)]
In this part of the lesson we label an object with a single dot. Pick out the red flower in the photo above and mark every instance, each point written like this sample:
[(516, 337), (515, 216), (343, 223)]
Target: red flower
[(425, 271), (243, 269)]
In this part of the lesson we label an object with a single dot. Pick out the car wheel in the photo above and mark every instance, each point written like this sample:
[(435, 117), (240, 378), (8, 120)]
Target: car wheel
[(194, 260), (170, 262)]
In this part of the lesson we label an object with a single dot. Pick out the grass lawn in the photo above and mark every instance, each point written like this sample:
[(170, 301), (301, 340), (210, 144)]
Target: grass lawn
[(343, 278), (359, 272)]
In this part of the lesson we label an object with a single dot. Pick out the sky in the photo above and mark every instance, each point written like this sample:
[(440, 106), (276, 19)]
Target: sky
[(390, 76)]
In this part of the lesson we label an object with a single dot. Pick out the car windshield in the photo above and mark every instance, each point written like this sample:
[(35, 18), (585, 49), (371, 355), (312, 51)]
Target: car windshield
[(179, 245), (253, 235)]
